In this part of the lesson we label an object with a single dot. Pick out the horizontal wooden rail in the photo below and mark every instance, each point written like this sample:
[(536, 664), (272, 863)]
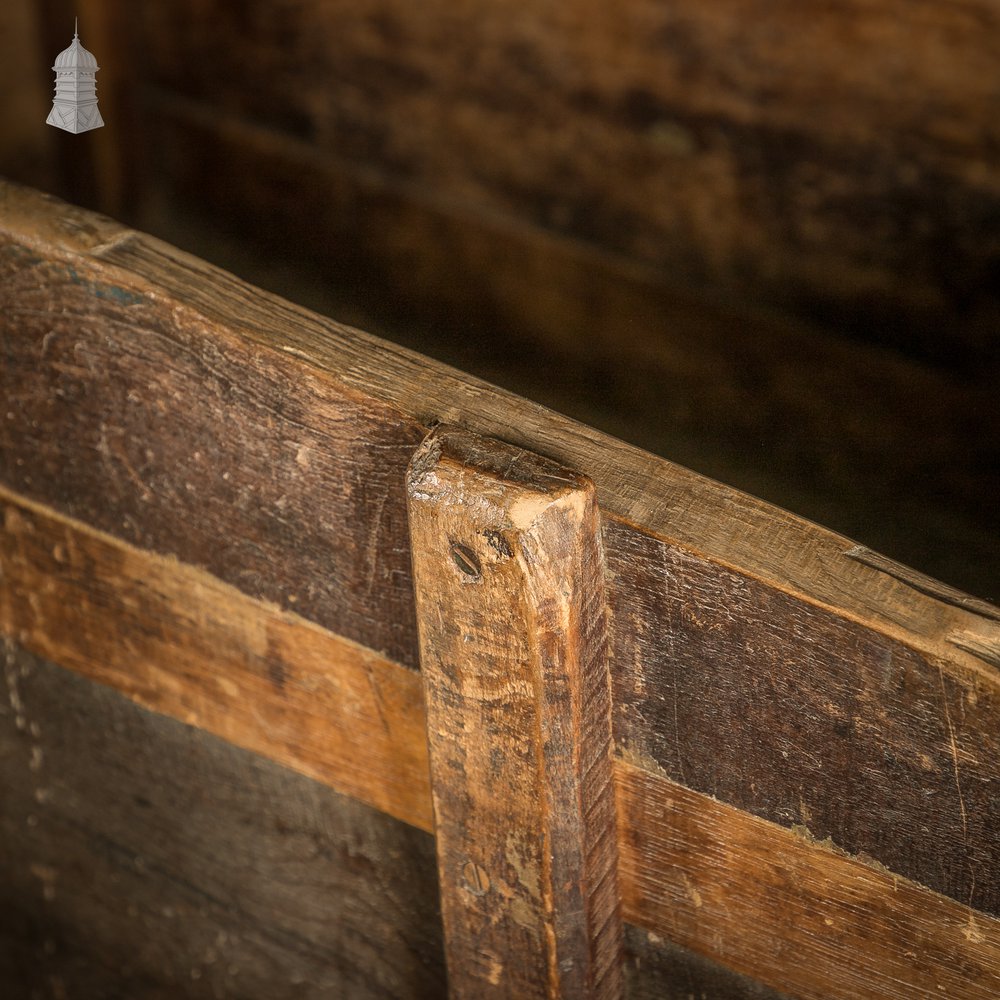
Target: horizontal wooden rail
[(787, 911), (178, 641)]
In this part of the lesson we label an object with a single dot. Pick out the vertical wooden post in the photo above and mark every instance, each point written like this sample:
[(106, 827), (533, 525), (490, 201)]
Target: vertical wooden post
[(510, 602)]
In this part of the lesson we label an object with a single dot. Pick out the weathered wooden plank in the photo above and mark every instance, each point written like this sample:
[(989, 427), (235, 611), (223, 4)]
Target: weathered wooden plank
[(657, 969), (788, 911), (143, 858), (809, 421), (510, 595), (178, 641), (828, 161), (806, 718), (145, 423), (152, 322), (201, 308)]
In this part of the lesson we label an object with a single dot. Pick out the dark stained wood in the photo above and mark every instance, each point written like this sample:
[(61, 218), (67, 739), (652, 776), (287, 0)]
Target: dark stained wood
[(225, 316), (836, 163), (510, 595), (142, 422), (178, 641), (120, 323), (792, 913), (141, 858), (805, 718), (657, 969), (809, 421)]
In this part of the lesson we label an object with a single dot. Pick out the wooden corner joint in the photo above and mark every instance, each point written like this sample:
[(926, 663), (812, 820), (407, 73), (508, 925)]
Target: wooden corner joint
[(509, 578)]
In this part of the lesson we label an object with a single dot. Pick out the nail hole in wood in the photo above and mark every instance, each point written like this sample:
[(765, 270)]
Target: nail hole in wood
[(475, 879), (466, 560)]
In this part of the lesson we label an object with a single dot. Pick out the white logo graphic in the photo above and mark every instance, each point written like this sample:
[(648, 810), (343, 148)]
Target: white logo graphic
[(75, 105)]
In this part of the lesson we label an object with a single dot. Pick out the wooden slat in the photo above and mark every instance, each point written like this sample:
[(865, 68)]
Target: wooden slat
[(144, 859), (189, 309), (788, 911), (806, 718), (510, 595), (813, 422), (176, 640)]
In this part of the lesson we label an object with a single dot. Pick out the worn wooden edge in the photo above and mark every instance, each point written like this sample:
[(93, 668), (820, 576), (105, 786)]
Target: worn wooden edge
[(650, 494), (509, 580), (180, 642), (788, 911)]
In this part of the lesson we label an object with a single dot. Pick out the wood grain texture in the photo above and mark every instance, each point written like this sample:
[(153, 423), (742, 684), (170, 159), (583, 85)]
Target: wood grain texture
[(836, 162), (510, 594), (806, 718), (713, 381), (143, 422), (141, 858), (118, 349), (178, 641), (785, 910), (231, 320)]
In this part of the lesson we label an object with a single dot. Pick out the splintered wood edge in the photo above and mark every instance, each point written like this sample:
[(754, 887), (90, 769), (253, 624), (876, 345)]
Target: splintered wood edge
[(509, 579), (692, 870), (650, 494)]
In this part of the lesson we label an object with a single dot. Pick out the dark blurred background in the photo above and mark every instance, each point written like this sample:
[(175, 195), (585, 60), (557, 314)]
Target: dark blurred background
[(758, 237)]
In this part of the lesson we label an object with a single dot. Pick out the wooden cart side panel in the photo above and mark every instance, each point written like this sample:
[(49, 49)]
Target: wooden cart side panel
[(134, 611), (107, 371)]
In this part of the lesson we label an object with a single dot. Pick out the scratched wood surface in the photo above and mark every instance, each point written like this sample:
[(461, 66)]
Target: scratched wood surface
[(143, 858), (795, 914), (176, 640), (70, 562), (509, 578), (126, 361), (776, 706), (814, 422)]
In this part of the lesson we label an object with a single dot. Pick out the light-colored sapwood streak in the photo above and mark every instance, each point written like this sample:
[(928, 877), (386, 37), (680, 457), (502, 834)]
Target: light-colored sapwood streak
[(180, 642), (777, 906)]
